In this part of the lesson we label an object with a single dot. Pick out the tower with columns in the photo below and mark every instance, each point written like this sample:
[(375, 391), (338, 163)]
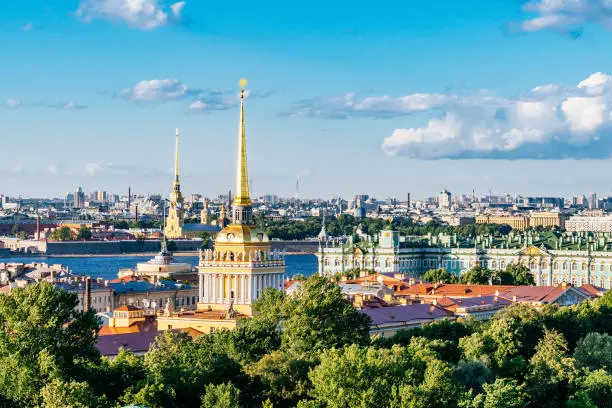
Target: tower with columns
[(242, 265)]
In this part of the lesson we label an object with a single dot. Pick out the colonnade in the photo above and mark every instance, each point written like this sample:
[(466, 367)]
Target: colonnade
[(242, 288)]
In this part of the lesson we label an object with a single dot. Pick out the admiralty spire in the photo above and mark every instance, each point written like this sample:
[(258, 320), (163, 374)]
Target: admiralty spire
[(242, 265)]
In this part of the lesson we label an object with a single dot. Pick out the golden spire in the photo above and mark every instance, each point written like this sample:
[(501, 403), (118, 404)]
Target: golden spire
[(242, 197), (176, 159)]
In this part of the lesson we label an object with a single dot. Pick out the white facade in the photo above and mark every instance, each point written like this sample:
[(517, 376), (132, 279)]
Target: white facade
[(589, 224), (549, 267)]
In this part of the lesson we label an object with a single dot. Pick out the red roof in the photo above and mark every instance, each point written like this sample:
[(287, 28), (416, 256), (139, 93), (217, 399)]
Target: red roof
[(404, 314), (534, 294), (592, 291)]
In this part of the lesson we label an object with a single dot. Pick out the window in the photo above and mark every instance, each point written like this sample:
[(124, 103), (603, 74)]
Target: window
[(193, 300), (601, 267), (556, 266)]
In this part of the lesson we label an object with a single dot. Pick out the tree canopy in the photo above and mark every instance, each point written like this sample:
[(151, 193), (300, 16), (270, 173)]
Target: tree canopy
[(310, 349)]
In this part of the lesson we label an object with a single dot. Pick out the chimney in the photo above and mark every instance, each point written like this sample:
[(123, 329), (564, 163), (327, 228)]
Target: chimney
[(514, 298), (87, 297)]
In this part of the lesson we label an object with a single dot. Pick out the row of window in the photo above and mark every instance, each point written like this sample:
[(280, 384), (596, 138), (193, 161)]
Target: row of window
[(452, 264)]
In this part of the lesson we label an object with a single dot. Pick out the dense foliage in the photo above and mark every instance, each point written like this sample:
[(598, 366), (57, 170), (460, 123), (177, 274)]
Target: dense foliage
[(346, 225), (310, 350), (512, 275)]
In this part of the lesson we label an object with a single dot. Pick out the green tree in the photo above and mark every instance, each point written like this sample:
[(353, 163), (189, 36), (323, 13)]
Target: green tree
[(439, 275), (318, 316), (59, 394), (355, 377), (521, 275), (62, 234), (594, 352), (473, 375), (84, 233), (503, 393), (221, 396), (437, 390), (596, 387), (477, 275), (551, 371), (283, 375), (42, 337)]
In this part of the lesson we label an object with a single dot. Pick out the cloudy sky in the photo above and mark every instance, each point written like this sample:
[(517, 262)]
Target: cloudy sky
[(348, 96)]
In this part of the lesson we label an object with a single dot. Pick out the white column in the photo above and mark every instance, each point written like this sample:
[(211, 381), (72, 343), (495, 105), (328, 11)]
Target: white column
[(214, 288), (201, 289), (209, 289), (242, 289), (247, 289)]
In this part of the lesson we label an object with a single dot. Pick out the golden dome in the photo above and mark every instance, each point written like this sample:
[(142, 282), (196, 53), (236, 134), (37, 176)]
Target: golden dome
[(241, 235)]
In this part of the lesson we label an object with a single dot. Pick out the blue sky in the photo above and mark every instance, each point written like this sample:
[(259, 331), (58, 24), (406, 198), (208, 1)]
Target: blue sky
[(350, 97)]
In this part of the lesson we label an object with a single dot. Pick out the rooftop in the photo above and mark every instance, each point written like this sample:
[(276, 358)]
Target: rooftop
[(408, 313)]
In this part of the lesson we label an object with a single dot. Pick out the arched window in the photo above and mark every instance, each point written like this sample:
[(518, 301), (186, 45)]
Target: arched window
[(574, 268), (601, 267), (503, 264), (592, 267), (494, 264), (544, 265)]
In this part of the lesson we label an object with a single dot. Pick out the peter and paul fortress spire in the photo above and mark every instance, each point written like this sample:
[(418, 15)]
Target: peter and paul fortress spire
[(175, 221)]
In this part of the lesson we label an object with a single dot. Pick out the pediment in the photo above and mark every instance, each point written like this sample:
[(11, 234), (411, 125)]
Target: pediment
[(534, 251)]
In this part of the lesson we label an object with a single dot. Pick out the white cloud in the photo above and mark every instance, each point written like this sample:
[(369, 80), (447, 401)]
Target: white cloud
[(342, 107), (155, 90), (550, 121), (198, 105), (13, 103), (567, 16), (93, 168), (584, 114), (27, 27), (140, 14)]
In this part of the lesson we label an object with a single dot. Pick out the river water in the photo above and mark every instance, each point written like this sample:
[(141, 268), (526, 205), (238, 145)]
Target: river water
[(106, 267)]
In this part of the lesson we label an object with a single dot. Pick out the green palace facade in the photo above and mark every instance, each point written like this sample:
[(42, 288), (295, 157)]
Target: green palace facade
[(570, 258)]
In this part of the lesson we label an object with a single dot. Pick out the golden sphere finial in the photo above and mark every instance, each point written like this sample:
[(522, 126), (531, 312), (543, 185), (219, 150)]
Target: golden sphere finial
[(243, 82)]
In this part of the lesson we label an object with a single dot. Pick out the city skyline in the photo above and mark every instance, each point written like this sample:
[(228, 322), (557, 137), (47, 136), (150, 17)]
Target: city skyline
[(350, 100)]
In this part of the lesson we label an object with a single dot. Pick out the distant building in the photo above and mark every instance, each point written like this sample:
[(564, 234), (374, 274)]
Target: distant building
[(444, 200), (79, 198), (547, 219), (579, 223), (593, 201), (518, 222)]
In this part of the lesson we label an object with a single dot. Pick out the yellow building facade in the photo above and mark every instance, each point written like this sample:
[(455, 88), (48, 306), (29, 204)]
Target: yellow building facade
[(517, 222)]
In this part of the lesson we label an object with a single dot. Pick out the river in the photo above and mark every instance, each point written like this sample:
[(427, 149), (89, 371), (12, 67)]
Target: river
[(106, 267)]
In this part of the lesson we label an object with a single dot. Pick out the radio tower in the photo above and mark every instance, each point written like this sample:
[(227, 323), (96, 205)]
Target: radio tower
[(297, 190)]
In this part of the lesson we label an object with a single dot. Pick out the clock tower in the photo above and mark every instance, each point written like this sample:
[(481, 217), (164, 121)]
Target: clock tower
[(242, 265)]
